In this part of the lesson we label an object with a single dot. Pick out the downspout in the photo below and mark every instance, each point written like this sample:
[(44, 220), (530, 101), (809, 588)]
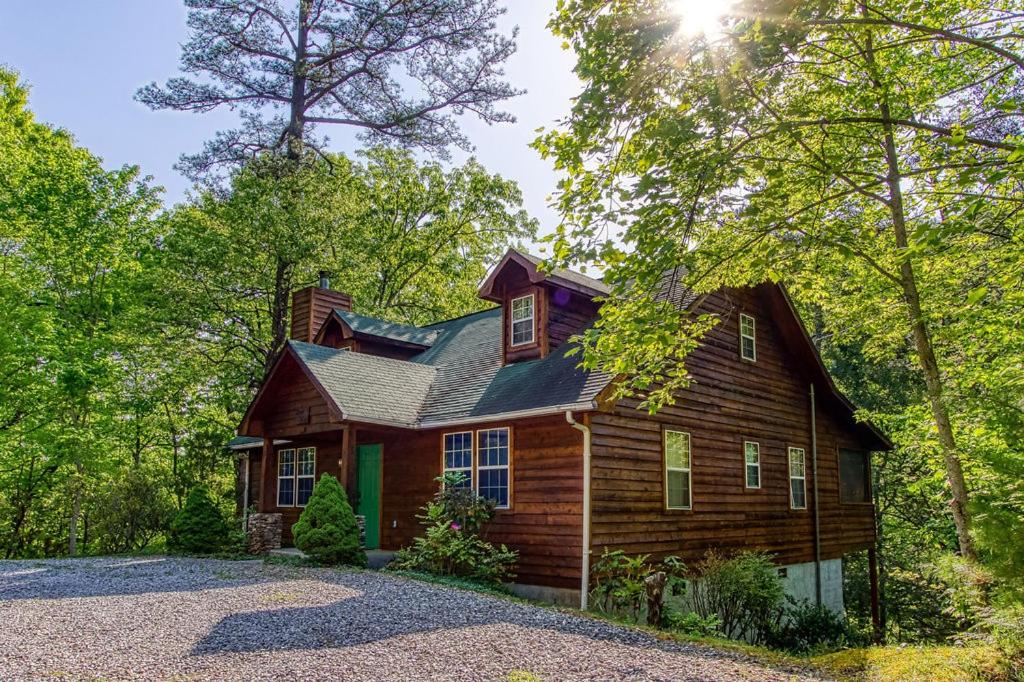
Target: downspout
[(585, 570), (817, 519)]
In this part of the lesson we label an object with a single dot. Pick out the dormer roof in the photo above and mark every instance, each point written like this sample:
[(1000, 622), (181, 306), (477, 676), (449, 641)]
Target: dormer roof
[(574, 281)]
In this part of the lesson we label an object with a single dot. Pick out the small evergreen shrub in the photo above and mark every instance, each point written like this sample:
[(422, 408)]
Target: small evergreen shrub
[(690, 623), (199, 528), (327, 530), (453, 544)]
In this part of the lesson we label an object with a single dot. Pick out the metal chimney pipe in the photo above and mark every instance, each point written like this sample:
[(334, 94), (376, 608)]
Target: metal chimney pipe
[(325, 282)]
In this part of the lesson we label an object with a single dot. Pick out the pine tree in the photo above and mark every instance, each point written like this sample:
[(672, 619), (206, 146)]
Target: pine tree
[(199, 528), (327, 530)]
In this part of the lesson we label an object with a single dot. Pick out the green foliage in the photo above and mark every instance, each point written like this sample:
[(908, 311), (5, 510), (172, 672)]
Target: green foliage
[(327, 529), (803, 628), (619, 582), (692, 624), (743, 591), (199, 527), (131, 512), (452, 544)]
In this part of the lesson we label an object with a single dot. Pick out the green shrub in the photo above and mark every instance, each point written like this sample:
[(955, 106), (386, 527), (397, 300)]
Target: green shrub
[(804, 628), (620, 583), (199, 527), (452, 544), (743, 591), (327, 530), (692, 624)]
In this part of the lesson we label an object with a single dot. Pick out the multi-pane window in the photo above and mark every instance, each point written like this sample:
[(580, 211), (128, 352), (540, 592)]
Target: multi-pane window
[(522, 320), (306, 475), (748, 345), (296, 473), (797, 479), (854, 476), (752, 464), (677, 470), (492, 465), (286, 478), (486, 466), (458, 456)]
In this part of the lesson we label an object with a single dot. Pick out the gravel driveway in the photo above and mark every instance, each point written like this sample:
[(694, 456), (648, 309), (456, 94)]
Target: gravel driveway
[(198, 619)]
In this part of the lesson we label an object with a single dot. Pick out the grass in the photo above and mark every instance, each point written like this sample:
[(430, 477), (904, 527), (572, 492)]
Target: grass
[(908, 663)]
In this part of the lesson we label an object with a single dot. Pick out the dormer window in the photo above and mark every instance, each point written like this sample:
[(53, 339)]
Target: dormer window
[(522, 320)]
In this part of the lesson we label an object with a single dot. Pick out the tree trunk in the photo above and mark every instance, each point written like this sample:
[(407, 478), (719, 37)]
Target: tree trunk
[(76, 510), (922, 340), (279, 312), (294, 134)]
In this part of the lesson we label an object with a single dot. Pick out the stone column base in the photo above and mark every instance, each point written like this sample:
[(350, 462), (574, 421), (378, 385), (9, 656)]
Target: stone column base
[(264, 531)]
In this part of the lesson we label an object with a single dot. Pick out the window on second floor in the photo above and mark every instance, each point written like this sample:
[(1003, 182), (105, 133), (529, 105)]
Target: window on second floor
[(748, 342), (752, 464), (677, 470), (854, 476), (797, 479), (521, 320)]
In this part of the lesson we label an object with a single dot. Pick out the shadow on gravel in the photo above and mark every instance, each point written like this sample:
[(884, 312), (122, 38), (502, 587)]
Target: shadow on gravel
[(113, 576), (393, 607)]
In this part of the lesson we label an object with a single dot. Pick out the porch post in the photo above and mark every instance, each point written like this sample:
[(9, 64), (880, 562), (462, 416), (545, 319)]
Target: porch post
[(267, 487), (348, 453)]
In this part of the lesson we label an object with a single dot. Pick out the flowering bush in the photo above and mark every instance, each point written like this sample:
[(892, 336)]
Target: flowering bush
[(453, 544)]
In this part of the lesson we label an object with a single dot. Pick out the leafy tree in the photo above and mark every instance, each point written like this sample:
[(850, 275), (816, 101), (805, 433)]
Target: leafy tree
[(397, 71), (199, 527), (327, 530), (864, 152)]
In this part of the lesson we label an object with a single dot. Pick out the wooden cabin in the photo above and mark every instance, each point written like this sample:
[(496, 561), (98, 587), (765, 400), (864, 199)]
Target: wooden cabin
[(760, 452)]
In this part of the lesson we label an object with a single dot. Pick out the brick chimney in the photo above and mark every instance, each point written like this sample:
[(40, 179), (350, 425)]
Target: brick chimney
[(312, 305)]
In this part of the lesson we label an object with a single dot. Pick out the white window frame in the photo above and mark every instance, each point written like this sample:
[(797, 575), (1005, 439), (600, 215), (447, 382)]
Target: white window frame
[(752, 336), (472, 451), (290, 479), (802, 477), (687, 470), (298, 471), (507, 466), (747, 464), (531, 319)]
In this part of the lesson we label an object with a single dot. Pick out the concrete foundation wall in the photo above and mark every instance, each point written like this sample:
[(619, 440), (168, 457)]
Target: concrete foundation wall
[(799, 583), (562, 596)]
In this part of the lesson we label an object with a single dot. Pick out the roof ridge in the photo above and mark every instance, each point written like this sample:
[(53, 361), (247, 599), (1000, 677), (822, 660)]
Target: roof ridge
[(460, 317)]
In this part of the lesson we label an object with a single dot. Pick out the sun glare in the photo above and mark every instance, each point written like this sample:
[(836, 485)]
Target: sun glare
[(700, 17)]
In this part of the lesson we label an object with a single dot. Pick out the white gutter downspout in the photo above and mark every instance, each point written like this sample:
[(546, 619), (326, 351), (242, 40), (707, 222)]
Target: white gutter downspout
[(817, 518), (245, 496), (585, 573)]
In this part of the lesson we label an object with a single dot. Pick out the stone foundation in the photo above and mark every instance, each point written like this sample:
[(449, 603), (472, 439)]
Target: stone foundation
[(264, 531)]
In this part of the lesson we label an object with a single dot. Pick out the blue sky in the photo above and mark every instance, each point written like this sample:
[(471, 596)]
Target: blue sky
[(84, 61)]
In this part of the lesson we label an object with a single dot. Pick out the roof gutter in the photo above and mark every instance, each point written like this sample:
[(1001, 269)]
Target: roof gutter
[(517, 414), (585, 567)]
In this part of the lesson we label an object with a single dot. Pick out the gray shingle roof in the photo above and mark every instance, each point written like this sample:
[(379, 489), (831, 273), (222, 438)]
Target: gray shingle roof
[(459, 378), (372, 326), (367, 387)]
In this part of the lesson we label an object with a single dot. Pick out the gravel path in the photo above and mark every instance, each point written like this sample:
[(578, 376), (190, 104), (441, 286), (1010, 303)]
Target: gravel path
[(199, 619)]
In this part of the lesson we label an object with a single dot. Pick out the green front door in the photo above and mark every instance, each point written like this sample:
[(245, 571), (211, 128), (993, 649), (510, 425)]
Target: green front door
[(368, 463)]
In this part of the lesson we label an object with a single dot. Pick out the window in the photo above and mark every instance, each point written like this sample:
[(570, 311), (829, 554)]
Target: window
[(492, 465), (286, 478), (295, 476), (752, 464), (797, 479), (677, 470), (458, 456), (306, 477), (854, 476), (522, 320), (748, 347)]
